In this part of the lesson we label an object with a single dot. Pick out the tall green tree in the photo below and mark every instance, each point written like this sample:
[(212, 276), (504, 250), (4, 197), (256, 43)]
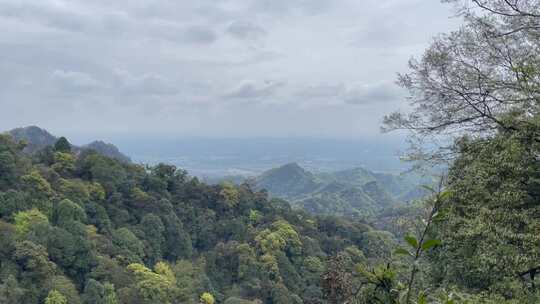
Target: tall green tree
[(109, 296), (62, 145), (10, 291), (94, 292), (478, 88), (153, 234), (492, 219)]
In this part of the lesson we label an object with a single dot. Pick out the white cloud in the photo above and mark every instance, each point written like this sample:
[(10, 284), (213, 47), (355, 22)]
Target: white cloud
[(59, 52)]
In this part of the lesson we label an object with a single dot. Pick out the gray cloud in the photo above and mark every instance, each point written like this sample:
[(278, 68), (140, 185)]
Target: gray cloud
[(286, 6), (250, 89), (72, 81), (105, 65), (354, 94), (322, 91), (147, 84), (199, 35), (246, 30), (40, 12), (376, 93)]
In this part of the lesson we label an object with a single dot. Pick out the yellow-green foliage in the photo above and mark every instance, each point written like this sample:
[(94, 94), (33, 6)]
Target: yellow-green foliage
[(270, 266), (74, 189), (207, 298), (314, 265), (64, 163), (24, 220), (140, 197), (55, 297), (254, 216), (229, 193), (164, 270), (246, 260), (279, 237), (154, 287), (96, 191), (35, 183)]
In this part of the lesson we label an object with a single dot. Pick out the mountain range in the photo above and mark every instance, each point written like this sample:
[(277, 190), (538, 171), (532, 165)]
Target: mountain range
[(37, 138), (353, 192)]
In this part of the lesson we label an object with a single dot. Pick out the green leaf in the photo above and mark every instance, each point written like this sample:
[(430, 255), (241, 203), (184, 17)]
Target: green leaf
[(411, 240), (430, 244), (438, 216), (402, 251), (422, 298), (445, 195), (428, 188)]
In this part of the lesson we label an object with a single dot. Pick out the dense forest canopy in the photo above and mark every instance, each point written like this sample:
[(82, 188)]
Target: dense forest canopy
[(356, 192), (85, 228), (78, 226)]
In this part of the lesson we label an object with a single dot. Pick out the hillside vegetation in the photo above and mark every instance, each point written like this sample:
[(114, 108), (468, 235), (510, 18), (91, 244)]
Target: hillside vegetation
[(91, 229), (37, 139), (77, 226), (356, 192)]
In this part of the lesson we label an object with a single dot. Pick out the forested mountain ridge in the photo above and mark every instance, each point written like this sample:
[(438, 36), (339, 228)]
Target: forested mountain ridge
[(85, 228), (37, 138), (288, 181), (80, 227), (353, 192)]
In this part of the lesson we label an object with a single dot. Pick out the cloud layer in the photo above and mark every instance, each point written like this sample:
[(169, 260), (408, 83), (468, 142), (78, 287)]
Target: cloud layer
[(209, 67)]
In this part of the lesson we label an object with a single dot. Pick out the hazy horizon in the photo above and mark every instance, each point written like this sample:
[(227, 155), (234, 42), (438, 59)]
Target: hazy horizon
[(252, 83), (212, 156)]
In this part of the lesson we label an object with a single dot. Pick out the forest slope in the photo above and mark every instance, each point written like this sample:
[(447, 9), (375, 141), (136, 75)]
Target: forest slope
[(353, 192), (92, 229)]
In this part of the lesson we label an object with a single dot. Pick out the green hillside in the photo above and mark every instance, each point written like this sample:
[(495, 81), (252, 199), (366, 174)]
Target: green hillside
[(354, 192), (288, 181), (86, 228)]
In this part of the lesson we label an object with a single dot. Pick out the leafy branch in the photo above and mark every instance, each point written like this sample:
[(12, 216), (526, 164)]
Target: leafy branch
[(420, 245)]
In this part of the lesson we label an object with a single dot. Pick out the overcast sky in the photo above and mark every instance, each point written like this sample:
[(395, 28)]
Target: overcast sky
[(234, 68)]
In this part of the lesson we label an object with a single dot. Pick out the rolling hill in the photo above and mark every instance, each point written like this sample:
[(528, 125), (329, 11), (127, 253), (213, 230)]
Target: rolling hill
[(354, 192)]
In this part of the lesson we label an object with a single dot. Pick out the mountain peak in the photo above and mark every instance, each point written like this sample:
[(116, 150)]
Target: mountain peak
[(107, 149), (38, 138), (288, 180), (292, 166)]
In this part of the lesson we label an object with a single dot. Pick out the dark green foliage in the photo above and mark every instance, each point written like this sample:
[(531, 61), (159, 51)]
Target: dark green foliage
[(11, 202), (153, 235), (288, 181), (10, 291), (493, 181), (12, 164), (90, 229), (106, 149), (94, 293), (127, 246), (62, 145)]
